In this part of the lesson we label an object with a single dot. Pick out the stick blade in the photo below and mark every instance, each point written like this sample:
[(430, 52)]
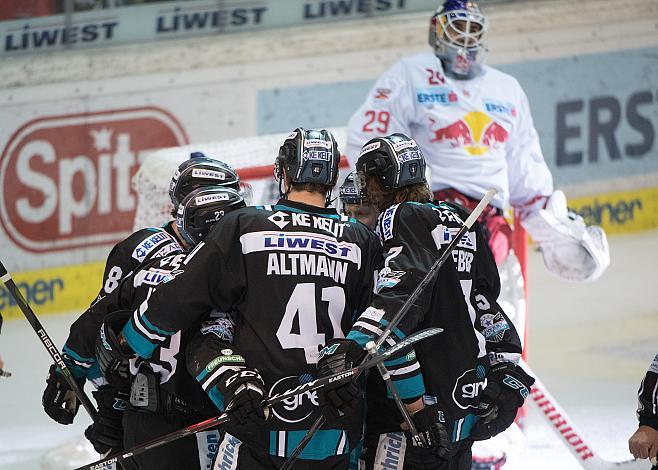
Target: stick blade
[(402, 344)]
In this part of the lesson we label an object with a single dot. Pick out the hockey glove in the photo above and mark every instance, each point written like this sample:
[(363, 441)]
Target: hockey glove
[(58, 400), (507, 388), (112, 355), (339, 355), (244, 392), (432, 441), (106, 432)]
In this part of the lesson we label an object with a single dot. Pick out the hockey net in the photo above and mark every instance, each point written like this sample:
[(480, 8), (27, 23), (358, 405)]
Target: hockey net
[(252, 157)]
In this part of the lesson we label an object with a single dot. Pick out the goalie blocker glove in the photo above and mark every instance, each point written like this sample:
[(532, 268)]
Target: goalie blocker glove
[(339, 355), (508, 385), (113, 356), (106, 432), (58, 400)]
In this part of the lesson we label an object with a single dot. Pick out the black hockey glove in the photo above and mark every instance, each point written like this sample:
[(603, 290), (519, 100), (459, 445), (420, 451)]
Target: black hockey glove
[(106, 432), (111, 354), (244, 392), (339, 355), (58, 400), (432, 441), (508, 385)]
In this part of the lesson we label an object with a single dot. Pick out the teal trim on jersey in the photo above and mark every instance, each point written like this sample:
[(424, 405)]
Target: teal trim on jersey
[(217, 398), (283, 207), (359, 337), (78, 357), (466, 428), (94, 372), (77, 371), (398, 361), (411, 387), (154, 328), (397, 331), (324, 443), (202, 375), (140, 344), (354, 456)]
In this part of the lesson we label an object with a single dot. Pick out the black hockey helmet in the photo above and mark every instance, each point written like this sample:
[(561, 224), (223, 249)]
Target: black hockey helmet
[(308, 156), (203, 208), (201, 171), (347, 192), (396, 160)]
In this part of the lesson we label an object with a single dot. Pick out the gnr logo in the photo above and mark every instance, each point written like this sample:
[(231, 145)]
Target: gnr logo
[(66, 179), (469, 386)]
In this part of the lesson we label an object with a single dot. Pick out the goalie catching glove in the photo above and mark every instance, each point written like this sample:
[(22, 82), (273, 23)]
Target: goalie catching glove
[(508, 385), (571, 250), (339, 355)]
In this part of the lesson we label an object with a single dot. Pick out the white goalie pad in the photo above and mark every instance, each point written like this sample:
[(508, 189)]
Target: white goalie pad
[(570, 249)]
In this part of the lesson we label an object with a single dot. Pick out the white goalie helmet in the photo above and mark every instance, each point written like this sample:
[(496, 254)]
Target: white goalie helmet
[(456, 34)]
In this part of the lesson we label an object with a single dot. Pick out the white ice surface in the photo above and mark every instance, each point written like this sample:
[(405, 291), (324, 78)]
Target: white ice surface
[(590, 343)]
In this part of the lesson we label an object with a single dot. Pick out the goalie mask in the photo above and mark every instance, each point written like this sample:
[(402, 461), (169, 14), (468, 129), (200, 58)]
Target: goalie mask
[(308, 156), (395, 160), (200, 171), (203, 208), (456, 33)]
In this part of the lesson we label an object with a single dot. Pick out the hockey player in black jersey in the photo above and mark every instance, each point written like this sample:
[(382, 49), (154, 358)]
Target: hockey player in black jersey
[(294, 275), (643, 444), (58, 400), (471, 386), (164, 397)]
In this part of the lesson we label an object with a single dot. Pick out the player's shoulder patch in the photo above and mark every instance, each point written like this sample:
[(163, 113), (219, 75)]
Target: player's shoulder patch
[(385, 225), (152, 240)]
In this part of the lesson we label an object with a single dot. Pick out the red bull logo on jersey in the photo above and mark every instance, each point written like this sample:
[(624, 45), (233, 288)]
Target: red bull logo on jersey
[(476, 133)]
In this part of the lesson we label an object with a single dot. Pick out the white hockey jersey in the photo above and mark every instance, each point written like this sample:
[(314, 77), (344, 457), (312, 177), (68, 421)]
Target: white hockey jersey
[(475, 134)]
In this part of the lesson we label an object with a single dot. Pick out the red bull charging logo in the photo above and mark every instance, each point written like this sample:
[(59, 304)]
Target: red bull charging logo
[(476, 132)]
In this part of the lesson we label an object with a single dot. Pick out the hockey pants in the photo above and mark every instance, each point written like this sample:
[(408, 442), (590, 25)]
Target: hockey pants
[(389, 452), (191, 452), (235, 455)]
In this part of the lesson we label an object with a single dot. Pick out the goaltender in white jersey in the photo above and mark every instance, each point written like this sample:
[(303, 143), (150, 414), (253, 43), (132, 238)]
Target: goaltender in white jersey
[(474, 126)]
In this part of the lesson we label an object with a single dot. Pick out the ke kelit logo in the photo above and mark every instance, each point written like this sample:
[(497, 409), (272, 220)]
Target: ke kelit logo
[(476, 133), (66, 179)]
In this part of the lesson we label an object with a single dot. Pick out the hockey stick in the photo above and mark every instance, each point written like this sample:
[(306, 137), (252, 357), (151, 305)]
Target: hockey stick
[(484, 202), (573, 439), (9, 283), (272, 400)]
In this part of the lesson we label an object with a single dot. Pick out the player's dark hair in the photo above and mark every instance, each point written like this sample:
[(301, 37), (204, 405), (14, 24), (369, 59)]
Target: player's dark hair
[(383, 198)]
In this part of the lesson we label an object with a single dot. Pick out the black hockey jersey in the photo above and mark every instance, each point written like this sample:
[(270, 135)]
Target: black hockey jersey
[(124, 258), (647, 407), (461, 300), (295, 276)]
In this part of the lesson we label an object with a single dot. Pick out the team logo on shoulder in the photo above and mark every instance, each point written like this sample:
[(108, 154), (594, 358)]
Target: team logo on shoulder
[(388, 279), (494, 326)]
